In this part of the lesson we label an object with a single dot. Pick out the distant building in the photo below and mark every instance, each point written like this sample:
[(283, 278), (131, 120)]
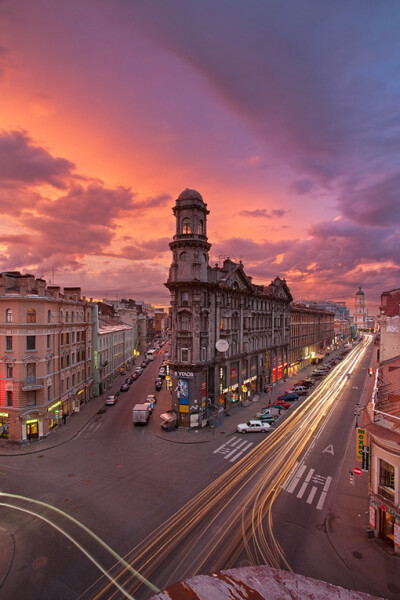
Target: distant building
[(359, 310), (46, 355), (389, 323), (312, 335), (229, 337)]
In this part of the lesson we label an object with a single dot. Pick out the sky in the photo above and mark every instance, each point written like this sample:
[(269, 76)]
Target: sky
[(283, 114)]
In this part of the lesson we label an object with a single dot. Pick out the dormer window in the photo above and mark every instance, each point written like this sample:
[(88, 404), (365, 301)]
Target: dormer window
[(186, 226)]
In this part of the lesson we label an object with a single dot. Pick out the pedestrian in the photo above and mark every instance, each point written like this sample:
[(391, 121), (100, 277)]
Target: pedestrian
[(64, 418)]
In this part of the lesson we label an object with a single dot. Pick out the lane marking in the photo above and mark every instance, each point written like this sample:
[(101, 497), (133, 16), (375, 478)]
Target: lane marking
[(324, 493), (305, 484), (296, 480)]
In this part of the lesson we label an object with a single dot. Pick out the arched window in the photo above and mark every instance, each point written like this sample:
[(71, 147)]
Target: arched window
[(8, 315), (61, 315), (72, 316), (183, 256), (200, 227), (49, 316), (186, 226), (31, 315), (66, 316)]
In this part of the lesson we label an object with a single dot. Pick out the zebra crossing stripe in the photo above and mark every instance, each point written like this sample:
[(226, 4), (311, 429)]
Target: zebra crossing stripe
[(305, 484), (324, 493), (296, 479)]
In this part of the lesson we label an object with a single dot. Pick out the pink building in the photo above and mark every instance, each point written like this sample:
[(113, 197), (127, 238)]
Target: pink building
[(45, 355)]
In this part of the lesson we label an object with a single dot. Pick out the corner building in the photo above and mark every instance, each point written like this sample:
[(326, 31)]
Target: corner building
[(229, 337)]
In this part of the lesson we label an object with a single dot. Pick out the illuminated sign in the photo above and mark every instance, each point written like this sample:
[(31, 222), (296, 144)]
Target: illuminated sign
[(4, 414), (96, 359), (31, 421), (361, 441), (53, 406)]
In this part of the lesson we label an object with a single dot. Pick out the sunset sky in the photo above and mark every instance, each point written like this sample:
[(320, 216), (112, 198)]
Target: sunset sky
[(283, 114)]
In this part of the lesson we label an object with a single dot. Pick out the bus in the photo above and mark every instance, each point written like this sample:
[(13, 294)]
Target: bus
[(151, 354)]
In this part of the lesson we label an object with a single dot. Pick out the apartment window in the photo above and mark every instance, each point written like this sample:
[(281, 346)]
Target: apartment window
[(67, 337), (204, 354), (62, 386), (200, 227), (49, 316), (31, 315), (73, 358), (67, 360), (9, 371), (9, 398), (48, 342), (73, 337), (67, 383), (184, 355), (48, 367), (66, 316), (386, 475), (49, 393), (8, 315), (185, 298), (62, 362), (77, 336), (8, 342), (31, 372), (31, 342), (31, 398), (73, 379), (185, 322)]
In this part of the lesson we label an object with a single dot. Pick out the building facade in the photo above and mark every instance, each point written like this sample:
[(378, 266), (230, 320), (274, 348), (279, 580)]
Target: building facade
[(312, 335), (389, 324), (229, 337), (45, 355)]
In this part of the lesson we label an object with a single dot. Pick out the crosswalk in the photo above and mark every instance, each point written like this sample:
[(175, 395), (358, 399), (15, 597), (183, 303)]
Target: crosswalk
[(234, 448), (89, 429), (307, 484)]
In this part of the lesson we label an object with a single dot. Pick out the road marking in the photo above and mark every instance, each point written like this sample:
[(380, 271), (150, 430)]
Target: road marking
[(329, 450), (324, 493), (297, 478), (290, 477), (305, 484), (89, 429), (234, 448), (311, 495)]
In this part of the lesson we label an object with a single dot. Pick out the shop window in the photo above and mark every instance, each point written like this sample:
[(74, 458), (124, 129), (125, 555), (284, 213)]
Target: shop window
[(31, 315), (186, 226), (9, 398), (31, 342), (8, 315), (9, 371), (8, 342)]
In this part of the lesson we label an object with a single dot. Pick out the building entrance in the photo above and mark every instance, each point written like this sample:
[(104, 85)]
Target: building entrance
[(387, 527), (32, 430)]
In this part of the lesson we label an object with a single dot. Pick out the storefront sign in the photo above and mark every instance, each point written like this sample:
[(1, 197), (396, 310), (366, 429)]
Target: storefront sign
[(361, 441), (96, 359), (365, 459), (185, 374), (54, 406), (372, 517), (4, 415), (183, 408)]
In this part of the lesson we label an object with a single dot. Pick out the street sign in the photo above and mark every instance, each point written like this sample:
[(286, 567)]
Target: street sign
[(357, 471), (365, 459)]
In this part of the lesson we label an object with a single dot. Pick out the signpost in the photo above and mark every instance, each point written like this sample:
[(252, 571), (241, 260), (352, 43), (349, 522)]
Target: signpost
[(357, 471)]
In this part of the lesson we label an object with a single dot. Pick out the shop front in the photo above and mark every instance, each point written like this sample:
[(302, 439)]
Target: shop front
[(54, 413), (32, 425), (4, 425)]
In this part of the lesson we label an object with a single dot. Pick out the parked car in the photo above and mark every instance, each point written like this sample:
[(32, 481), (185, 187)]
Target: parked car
[(263, 411), (162, 373), (124, 387), (144, 364), (158, 384), (130, 380), (280, 404), (289, 397), (138, 371), (308, 383), (268, 418), (300, 390), (252, 426), (111, 400)]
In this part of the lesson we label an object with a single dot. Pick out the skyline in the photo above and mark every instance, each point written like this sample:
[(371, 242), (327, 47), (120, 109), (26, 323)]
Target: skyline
[(285, 118)]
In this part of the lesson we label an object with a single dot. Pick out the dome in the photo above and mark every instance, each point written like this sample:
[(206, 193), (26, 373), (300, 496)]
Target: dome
[(360, 292), (189, 194)]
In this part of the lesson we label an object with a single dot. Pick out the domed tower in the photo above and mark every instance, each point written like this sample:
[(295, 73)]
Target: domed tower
[(190, 246), (359, 315), (188, 284)]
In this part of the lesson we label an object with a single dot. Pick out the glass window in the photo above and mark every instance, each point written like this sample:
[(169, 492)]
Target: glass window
[(73, 337), (31, 315), (185, 322), (200, 227), (31, 398), (186, 226), (8, 315), (184, 354), (49, 393), (31, 342), (386, 474), (9, 398), (8, 342), (72, 317), (66, 316), (48, 342), (48, 316), (31, 371), (48, 367), (9, 371), (185, 298)]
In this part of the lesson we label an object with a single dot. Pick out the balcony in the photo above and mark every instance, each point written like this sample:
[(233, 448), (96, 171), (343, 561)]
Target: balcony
[(32, 383), (386, 493)]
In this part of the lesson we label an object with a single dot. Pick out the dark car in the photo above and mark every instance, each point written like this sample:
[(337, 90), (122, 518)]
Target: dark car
[(124, 387), (130, 380), (289, 397), (158, 384), (134, 376), (306, 382), (144, 364), (268, 418)]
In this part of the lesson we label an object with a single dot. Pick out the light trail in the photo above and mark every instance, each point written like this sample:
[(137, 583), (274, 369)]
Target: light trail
[(186, 543)]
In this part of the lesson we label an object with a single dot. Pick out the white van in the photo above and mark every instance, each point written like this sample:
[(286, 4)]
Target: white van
[(151, 354)]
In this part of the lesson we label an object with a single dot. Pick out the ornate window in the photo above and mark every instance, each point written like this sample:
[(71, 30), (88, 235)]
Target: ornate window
[(183, 256), (66, 316), (186, 225), (8, 315), (31, 315), (185, 321)]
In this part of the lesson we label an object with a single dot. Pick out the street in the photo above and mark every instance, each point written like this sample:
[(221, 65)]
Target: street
[(170, 510)]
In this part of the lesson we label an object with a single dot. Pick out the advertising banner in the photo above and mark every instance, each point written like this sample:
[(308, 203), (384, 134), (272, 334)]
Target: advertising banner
[(361, 441)]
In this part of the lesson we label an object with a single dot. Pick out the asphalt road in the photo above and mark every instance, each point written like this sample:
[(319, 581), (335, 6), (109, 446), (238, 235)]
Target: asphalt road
[(172, 510)]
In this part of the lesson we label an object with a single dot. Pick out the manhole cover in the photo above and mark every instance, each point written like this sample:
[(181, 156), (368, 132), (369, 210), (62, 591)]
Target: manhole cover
[(40, 456), (357, 554), (70, 475), (67, 499)]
